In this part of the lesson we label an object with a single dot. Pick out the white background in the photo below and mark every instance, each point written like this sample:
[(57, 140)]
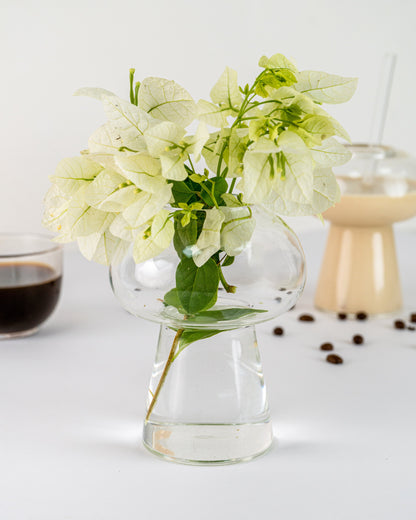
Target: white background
[(47, 52)]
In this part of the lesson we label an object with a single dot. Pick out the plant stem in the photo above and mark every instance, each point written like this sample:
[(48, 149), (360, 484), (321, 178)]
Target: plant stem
[(232, 185), (131, 78), (169, 361), (228, 288)]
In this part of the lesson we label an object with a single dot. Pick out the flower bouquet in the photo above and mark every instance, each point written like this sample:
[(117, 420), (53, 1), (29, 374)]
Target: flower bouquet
[(184, 199)]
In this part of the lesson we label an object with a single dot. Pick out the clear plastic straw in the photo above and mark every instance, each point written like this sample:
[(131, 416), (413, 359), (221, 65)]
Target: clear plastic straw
[(381, 109)]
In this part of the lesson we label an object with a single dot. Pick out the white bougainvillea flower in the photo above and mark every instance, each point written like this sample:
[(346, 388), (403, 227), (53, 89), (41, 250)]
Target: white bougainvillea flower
[(74, 173), (163, 137), (325, 194), (125, 127), (147, 205), (122, 229), (325, 88), (173, 166), (143, 171), (209, 240), (330, 153), (211, 114), (195, 143), (166, 100), (149, 245), (110, 192), (237, 229), (103, 248), (55, 207), (277, 61), (258, 163), (226, 93)]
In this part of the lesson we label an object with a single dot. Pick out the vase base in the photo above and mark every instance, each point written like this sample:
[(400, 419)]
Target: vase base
[(208, 444)]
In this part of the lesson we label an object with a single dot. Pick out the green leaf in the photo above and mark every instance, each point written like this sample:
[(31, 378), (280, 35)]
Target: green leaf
[(172, 298), (190, 336), (216, 186), (231, 200), (184, 237), (183, 191), (228, 261), (233, 313), (164, 99), (197, 286), (326, 88)]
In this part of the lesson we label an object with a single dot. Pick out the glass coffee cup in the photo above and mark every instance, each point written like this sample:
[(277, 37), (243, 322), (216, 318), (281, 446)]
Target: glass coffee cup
[(30, 282)]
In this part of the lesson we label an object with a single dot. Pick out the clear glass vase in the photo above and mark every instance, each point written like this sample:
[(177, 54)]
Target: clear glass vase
[(212, 405), (207, 399)]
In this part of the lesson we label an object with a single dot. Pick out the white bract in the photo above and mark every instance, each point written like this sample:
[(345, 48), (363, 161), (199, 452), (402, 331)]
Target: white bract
[(140, 181)]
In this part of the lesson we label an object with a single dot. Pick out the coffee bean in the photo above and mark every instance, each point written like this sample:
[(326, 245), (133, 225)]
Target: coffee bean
[(327, 346), (306, 317), (411, 328), (358, 339), (342, 316), (413, 317), (399, 324), (361, 316), (278, 331), (334, 359)]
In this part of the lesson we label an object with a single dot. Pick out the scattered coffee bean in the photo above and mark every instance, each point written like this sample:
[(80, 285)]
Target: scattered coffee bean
[(399, 324), (358, 339), (411, 328), (306, 317), (342, 316), (361, 316), (413, 317), (334, 359), (327, 346), (278, 331)]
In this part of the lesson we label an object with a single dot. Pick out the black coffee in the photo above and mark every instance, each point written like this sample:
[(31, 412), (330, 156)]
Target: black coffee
[(28, 295)]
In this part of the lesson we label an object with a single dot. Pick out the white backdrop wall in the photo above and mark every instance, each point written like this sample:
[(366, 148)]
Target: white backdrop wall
[(47, 52)]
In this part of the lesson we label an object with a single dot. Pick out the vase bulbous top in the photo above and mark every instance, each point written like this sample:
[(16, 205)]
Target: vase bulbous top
[(268, 274)]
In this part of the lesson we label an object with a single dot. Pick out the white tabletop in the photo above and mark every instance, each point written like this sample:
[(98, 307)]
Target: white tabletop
[(72, 405)]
